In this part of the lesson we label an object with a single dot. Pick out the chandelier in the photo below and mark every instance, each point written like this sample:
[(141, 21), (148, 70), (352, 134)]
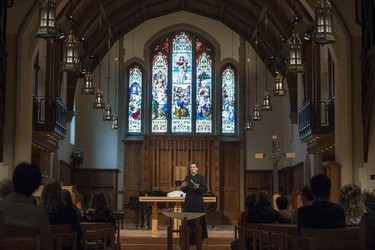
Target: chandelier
[(47, 14), (323, 22)]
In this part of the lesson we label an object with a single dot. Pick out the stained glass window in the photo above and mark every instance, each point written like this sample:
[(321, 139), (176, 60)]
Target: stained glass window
[(228, 112), (135, 99)]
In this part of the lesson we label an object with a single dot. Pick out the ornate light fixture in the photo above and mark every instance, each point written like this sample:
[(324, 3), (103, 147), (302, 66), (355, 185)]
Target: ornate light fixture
[(256, 115), (279, 85), (108, 109), (99, 96), (47, 14), (295, 63), (88, 85), (266, 104), (115, 122), (249, 123), (323, 22), (71, 54)]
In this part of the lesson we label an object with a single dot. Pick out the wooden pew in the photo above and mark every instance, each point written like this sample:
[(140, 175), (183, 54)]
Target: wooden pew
[(247, 232), (276, 235), (101, 234), (367, 231), (322, 239), (21, 238), (63, 236)]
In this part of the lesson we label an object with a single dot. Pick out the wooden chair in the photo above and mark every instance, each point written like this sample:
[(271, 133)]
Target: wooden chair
[(99, 234), (322, 239), (63, 236), (21, 238)]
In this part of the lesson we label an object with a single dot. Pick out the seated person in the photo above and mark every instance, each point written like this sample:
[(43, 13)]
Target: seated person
[(59, 213), (6, 187), (282, 205), (369, 200), (307, 198), (249, 203), (18, 208), (321, 213), (351, 200), (67, 198), (98, 211)]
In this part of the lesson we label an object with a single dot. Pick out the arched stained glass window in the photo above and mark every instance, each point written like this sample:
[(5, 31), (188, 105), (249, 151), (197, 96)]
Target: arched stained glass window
[(182, 89), (228, 112), (135, 99)]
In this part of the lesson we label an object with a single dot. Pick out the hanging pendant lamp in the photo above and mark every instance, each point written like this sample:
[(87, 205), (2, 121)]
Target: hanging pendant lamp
[(266, 104), (107, 113), (279, 85), (323, 22), (71, 54), (295, 64), (249, 123), (88, 85), (47, 24), (256, 115)]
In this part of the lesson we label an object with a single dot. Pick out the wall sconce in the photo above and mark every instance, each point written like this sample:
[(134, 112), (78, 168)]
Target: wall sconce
[(279, 85), (323, 22), (71, 54), (47, 14), (295, 63)]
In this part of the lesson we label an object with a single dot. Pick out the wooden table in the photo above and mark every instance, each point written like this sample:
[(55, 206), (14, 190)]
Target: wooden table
[(163, 199)]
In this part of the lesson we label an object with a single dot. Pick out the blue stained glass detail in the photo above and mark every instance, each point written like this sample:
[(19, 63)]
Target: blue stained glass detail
[(159, 109), (204, 94), (135, 100), (228, 113)]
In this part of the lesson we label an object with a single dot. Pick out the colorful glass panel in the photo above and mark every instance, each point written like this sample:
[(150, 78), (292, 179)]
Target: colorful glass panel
[(204, 94), (135, 100), (159, 109), (181, 83), (228, 113)]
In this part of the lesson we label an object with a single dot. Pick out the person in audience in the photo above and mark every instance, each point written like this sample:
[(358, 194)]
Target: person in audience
[(351, 200), (369, 200), (18, 209), (282, 206), (99, 211), (249, 204), (67, 198), (58, 212), (263, 212), (321, 213), (6, 187), (306, 198)]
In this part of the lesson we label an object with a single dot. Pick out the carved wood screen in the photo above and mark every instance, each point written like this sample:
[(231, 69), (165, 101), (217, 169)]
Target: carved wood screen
[(167, 160)]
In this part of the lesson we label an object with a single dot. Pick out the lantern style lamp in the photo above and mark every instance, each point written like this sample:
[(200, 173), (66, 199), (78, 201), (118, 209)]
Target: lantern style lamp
[(295, 63), (99, 97), (266, 105), (107, 113), (279, 85), (257, 117), (323, 22), (47, 14), (249, 123), (88, 84), (115, 123), (71, 54)]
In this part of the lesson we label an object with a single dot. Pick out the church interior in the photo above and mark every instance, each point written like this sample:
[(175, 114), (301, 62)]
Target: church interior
[(122, 96)]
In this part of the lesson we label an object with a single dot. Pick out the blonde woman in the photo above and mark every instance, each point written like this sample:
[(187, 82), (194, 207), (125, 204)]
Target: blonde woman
[(351, 200)]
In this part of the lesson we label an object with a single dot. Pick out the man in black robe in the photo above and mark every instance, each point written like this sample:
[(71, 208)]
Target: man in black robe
[(195, 186)]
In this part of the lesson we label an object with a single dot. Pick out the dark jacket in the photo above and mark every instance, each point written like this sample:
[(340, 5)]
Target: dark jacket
[(265, 214)]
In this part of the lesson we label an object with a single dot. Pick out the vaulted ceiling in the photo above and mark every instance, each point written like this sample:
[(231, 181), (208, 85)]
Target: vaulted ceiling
[(99, 19)]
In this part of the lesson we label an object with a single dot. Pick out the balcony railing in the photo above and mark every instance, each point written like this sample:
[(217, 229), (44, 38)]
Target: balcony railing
[(316, 118), (49, 115)]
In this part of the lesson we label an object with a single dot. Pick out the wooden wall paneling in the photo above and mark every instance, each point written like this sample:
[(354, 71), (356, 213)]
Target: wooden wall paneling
[(66, 172), (230, 204), (333, 171), (256, 180), (133, 171)]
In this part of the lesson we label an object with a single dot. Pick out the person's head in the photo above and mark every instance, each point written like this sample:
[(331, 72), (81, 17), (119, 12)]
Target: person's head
[(250, 200), (26, 179), (52, 192), (282, 202), (320, 186), (67, 197), (193, 168), (263, 199), (98, 201), (306, 195), (6, 187), (351, 199), (368, 196)]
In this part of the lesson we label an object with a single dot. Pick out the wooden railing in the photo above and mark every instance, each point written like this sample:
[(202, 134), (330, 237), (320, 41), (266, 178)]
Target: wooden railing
[(49, 115)]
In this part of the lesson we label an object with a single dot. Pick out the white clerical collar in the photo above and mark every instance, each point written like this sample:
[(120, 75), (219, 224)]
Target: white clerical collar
[(194, 174)]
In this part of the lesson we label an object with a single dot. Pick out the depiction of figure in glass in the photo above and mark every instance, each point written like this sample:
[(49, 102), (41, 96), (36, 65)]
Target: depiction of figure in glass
[(182, 68)]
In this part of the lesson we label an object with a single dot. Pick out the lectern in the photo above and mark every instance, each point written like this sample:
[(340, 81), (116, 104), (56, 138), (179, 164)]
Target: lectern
[(184, 230)]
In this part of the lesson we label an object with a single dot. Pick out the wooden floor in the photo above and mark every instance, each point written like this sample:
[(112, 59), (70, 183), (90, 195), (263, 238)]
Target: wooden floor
[(131, 238)]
